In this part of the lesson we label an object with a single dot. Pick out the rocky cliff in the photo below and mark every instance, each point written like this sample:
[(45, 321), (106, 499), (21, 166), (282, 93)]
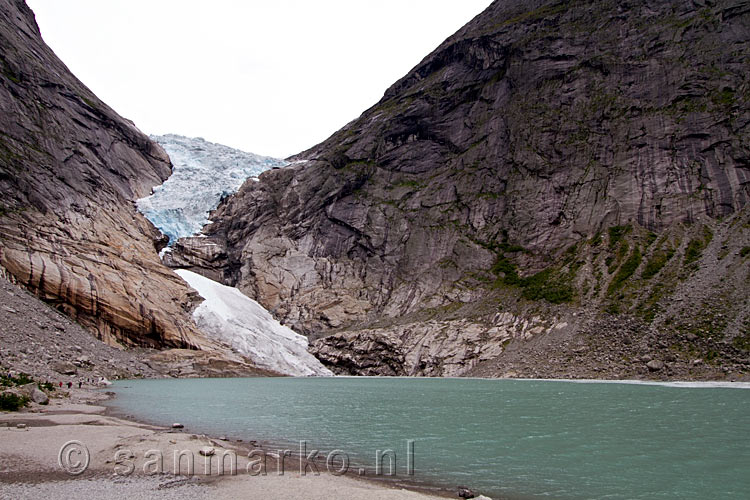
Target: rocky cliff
[(536, 164), (70, 170)]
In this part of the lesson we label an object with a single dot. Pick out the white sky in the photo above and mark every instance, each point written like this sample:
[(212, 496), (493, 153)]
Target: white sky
[(272, 77)]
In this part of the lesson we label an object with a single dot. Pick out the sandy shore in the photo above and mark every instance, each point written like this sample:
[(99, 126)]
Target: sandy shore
[(132, 460)]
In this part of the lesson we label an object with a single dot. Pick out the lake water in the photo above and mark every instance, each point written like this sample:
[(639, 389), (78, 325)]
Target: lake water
[(504, 438)]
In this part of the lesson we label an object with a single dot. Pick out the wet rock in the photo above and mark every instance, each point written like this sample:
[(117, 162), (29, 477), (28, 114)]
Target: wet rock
[(177, 425), (464, 492)]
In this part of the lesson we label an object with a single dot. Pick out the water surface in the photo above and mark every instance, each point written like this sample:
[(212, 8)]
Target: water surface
[(504, 438)]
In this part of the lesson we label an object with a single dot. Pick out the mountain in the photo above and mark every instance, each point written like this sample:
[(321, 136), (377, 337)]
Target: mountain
[(559, 189), (71, 170), (203, 173)]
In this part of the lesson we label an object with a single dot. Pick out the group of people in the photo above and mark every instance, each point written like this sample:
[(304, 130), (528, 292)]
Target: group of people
[(69, 384)]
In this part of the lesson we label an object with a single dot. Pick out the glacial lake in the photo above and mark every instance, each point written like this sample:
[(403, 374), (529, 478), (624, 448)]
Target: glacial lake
[(516, 439)]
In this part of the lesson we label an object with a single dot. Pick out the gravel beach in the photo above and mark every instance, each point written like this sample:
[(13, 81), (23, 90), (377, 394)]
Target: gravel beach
[(124, 461)]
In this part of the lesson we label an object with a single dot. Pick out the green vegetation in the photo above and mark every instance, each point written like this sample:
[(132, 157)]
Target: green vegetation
[(613, 261), (742, 341), (536, 14), (616, 234), (21, 379), (744, 252), (549, 284), (697, 245), (89, 103), (693, 251), (545, 285), (8, 72), (596, 240), (12, 402), (626, 271), (724, 98), (657, 261)]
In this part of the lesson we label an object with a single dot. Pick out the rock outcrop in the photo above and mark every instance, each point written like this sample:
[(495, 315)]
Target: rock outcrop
[(536, 128), (70, 170)]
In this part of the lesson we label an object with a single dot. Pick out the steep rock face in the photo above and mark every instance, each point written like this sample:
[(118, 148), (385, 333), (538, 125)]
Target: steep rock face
[(538, 124), (70, 170)]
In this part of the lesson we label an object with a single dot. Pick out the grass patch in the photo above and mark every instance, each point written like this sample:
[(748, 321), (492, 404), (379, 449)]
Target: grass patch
[(657, 261), (626, 271), (744, 252), (697, 245), (693, 251), (547, 284)]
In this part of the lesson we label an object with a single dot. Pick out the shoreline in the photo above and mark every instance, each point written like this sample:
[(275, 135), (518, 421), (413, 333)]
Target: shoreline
[(29, 457)]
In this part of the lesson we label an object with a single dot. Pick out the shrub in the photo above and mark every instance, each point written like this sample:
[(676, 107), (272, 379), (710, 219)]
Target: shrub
[(12, 402)]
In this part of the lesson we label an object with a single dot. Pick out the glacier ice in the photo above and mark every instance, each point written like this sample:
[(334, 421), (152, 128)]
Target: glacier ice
[(204, 173), (228, 315)]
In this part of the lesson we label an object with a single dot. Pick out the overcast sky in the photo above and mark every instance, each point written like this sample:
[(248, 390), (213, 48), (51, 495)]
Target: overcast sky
[(272, 77)]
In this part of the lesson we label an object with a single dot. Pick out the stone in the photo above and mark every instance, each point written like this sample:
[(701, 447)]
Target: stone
[(655, 365), (464, 492), (177, 425), (64, 367), (38, 396), (691, 337), (21, 426), (207, 451), (9, 310)]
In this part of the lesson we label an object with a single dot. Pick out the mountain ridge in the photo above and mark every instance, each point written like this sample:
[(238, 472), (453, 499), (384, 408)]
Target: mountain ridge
[(484, 173)]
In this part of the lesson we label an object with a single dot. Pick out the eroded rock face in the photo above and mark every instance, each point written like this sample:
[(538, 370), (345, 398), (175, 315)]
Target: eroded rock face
[(70, 169), (429, 348), (538, 123)]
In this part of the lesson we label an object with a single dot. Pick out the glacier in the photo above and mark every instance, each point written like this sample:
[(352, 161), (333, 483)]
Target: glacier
[(226, 314), (204, 173)]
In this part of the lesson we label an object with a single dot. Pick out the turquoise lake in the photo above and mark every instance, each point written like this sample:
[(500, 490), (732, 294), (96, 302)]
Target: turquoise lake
[(516, 439)]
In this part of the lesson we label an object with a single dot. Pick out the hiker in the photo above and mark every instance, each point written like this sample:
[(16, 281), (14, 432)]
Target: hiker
[(61, 384), (79, 384), (70, 384)]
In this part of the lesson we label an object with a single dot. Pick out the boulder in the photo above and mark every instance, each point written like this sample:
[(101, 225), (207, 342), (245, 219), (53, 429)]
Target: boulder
[(464, 492), (207, 451), (64, 367), (38, 396), (655, 365)]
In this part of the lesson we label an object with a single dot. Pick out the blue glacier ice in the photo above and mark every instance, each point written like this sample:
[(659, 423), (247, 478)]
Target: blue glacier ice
[(203, 174)]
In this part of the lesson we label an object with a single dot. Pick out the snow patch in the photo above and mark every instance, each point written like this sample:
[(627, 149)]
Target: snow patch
[(230, 316)]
